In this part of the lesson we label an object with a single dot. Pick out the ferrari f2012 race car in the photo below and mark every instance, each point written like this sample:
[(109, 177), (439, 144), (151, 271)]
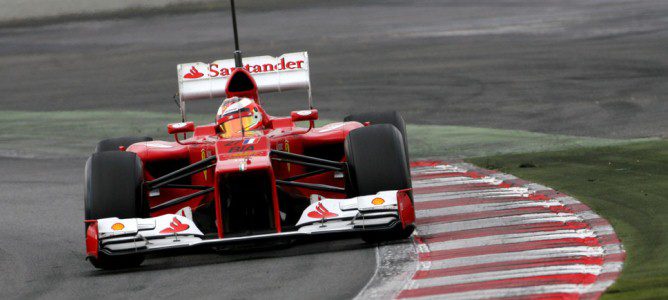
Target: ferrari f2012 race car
[(249, 177)]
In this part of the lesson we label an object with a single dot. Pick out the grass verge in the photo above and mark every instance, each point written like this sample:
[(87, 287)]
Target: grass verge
[(75, 133), (627, 184)]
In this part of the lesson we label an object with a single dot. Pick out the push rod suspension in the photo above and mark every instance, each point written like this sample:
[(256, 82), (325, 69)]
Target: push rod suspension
[(303, 163), (183, 172), (313, 186), (179, 200), (305, 158), (300, 176), (186, 186)]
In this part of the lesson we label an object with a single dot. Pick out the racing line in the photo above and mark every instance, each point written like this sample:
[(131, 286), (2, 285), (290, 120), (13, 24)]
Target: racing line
[(488, 235)]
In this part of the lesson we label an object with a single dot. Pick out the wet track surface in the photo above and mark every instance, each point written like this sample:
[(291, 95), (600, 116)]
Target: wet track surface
[(573, 67)]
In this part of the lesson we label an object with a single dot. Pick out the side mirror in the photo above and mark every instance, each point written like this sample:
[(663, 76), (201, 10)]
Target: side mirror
[(304, 115), (182, 127)]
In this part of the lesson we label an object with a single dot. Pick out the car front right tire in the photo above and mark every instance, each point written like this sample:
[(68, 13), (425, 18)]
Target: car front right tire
[(114, 188), (377, 161)]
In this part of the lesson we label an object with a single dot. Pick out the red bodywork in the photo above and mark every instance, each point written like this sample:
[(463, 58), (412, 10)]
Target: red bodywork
[(237, 156)]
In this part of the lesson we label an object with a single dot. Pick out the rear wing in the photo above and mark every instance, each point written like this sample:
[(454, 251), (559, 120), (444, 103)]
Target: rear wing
[(200, 80)]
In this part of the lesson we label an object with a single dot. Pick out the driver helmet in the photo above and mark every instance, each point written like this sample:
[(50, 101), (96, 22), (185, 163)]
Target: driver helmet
[(236, 108)]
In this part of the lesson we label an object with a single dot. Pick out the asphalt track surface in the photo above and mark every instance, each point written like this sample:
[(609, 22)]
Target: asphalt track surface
[(582, 67), (574, 67), (42, 251)]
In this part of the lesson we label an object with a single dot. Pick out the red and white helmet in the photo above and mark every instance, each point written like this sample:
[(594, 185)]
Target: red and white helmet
[(236, 112)]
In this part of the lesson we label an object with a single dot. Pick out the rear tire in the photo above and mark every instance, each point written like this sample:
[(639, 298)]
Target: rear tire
[(113, 188), (377, 161), (114, 143), (386, 117)]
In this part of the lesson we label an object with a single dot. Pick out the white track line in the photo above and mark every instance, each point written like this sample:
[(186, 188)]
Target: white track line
[(510, 239), (598, 286), (483, 207), (603, 230), (446, 181), (437, 169), (612, 267), (430, 229), (588, 215), (510, 292), (613, 249), (573, 252), (486, 193), (506, 274)]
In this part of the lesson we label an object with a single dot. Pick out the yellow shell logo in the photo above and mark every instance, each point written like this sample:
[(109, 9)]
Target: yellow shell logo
[(377, 201), (117, 226)]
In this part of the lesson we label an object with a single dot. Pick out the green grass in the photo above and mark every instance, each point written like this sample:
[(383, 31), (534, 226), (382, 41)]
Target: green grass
[(73, 133), (628, 185), (462, 142), (77, 132)]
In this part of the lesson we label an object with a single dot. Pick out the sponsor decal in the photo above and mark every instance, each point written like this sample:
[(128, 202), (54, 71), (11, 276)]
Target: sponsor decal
[(250, 141), (117, 226), (217, 71), (331, 127), (175, 226), (186, 212), (193, 74), (205, 171), (287, 149), (377, 201), (231, 143), (179, 125), (240, 154), (304, 113), (241, 148), (240, 145), (321, 212), (157, 145)]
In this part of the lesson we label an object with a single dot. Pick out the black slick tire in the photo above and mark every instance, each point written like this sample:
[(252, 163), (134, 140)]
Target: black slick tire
[(113, 188), (113, 143), (377, 161)]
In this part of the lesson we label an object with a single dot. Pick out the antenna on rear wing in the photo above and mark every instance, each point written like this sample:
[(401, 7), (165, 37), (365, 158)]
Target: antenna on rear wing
[(237, 52)]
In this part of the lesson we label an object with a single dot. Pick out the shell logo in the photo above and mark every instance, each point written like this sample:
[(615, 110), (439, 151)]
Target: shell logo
[(377, 201)]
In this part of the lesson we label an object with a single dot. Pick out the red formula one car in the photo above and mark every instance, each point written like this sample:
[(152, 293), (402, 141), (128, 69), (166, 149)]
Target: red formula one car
[(249, 177)]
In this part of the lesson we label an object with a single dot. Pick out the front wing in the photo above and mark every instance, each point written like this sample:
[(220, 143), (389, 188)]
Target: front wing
[(382, 211)]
